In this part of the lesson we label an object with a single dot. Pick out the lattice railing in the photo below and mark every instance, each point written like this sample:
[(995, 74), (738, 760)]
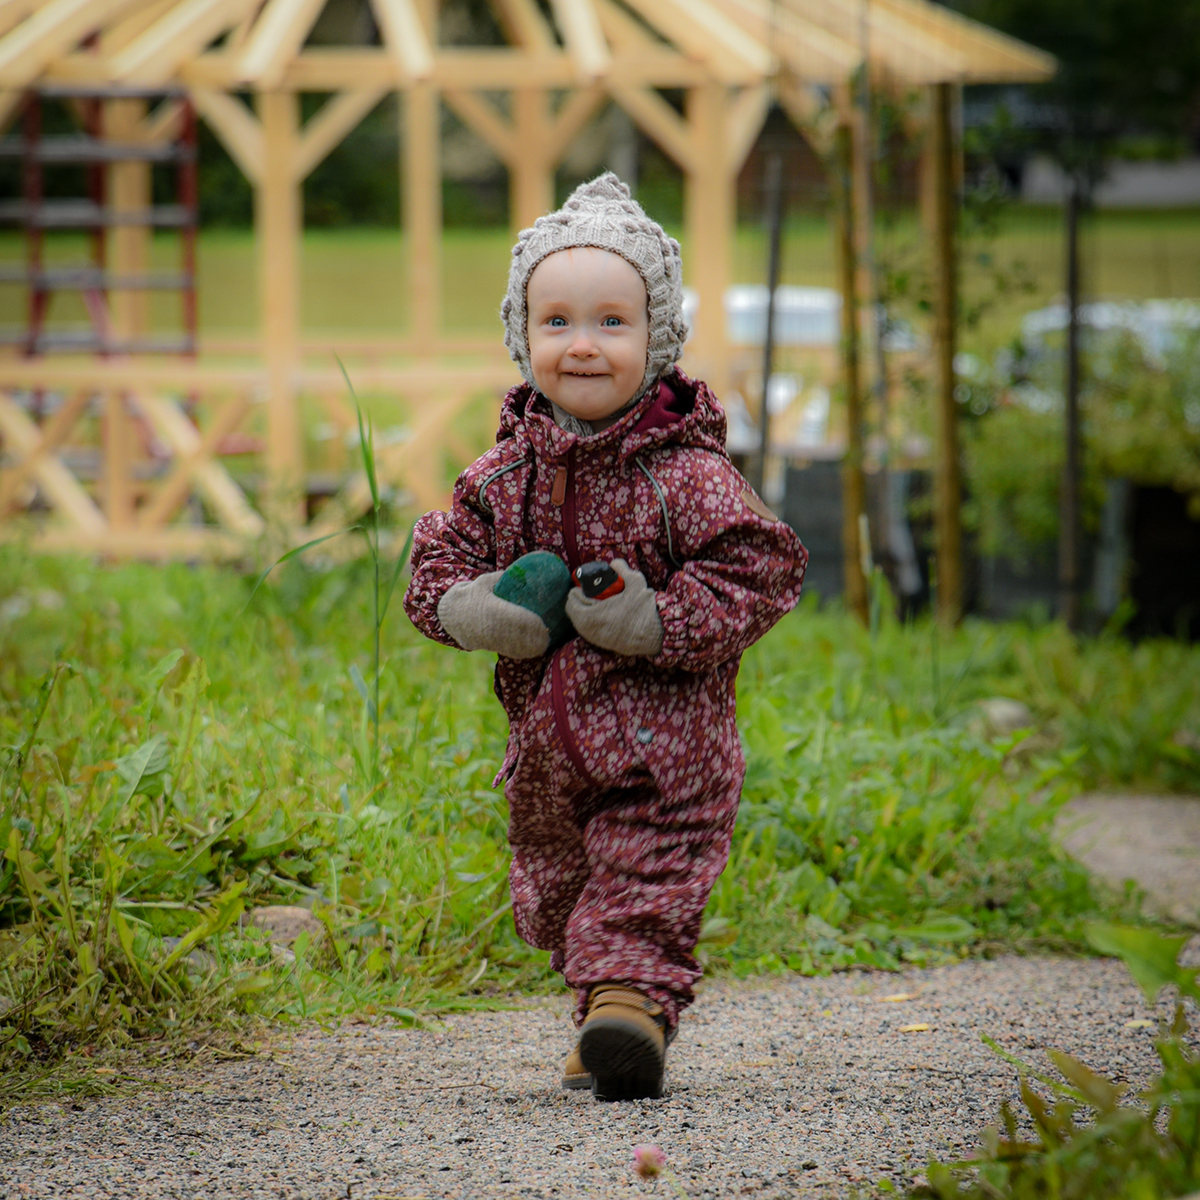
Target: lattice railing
[(173, 461)]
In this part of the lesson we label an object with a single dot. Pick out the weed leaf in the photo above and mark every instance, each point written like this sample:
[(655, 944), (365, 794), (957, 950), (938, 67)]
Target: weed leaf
[(219, 915), (142, 766), (1150, 957), (1096, 1090)]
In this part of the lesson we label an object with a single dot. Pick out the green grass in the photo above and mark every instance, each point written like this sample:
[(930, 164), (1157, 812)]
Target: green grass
[(167, 758)]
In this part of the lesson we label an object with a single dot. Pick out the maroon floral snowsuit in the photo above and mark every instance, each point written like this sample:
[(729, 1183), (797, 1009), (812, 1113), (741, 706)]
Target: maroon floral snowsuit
[(623, 775)]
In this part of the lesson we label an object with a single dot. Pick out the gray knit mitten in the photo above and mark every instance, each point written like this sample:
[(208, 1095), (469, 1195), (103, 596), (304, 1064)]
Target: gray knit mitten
[(627, 623), (477, 619)]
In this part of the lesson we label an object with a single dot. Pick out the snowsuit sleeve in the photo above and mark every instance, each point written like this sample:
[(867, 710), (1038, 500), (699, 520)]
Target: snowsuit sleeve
[(741, 570), (450, 547)]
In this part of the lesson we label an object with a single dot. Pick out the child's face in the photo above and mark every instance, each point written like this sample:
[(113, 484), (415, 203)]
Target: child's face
[(588, 331)]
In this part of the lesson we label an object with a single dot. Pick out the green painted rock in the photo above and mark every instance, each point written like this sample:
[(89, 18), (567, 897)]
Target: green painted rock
[(540, 582)]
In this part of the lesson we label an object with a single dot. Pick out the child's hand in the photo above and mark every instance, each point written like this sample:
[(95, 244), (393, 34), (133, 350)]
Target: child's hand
[(627, 623), (477, 619)]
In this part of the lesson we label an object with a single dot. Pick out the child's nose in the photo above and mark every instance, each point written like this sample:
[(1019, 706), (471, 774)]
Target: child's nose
[(584, 345)]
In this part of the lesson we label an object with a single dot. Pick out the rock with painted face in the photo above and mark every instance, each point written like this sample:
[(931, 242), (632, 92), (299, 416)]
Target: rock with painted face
[(540, 582)]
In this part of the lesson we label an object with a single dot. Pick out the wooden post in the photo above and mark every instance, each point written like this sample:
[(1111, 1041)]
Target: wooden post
[(128, 190), (1069, 573), (531, 174), (118, 462), (278, 230), (421, 169), (422, 179), (710, 212), (941, 193), (774, 190), (854, 485)]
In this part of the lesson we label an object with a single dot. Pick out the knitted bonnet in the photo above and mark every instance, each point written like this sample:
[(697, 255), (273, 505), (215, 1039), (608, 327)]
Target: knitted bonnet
[(603, 214)]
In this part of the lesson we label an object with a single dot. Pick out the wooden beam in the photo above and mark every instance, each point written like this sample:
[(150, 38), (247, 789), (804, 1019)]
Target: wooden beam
[(576, 111), (808, 111), (115, 37), (277, 225), (530, 172), (994, 55), (195, 465), (276, 39), (181, 34), (405, 37), (10, 106), (815, 53), (164, 124), (13, 12), (51, 435), (161, 545), (744, 122), (660, 122), (416, 463), (581, 31), (58, 485), (424, 379), (337, 68), (941, 217), (40, 374), (705, 33), (117, 481), (854, 487), (421, 183), (128, 190), (240, 133), (710, 217), (328, 129), (481, 117), (49, 33), (524, 25)]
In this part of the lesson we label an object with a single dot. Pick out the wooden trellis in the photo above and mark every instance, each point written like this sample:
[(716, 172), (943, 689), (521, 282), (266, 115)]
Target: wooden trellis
[(528, 100)]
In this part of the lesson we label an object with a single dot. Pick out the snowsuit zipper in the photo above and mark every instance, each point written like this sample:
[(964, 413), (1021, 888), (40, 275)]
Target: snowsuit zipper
[(562, 496)]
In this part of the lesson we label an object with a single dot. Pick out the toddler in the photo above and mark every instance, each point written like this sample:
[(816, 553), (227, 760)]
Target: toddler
[(623, 768)]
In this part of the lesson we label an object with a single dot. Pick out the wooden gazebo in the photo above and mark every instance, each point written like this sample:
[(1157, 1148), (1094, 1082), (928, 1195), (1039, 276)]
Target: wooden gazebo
[(243, 64)]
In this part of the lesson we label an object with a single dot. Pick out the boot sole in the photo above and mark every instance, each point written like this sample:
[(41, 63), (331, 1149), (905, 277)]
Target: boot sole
[(625, 1062)]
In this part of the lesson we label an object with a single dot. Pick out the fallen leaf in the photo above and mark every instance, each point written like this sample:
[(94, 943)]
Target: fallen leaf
[(1139, 1024), (919, 1027), (898, 998), (105, 1071)]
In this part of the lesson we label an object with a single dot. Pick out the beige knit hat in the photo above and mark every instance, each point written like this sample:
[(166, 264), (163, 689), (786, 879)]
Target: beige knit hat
[(603, 214)]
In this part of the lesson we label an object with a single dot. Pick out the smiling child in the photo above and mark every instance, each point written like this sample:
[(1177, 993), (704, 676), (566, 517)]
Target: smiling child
[(623, 769)]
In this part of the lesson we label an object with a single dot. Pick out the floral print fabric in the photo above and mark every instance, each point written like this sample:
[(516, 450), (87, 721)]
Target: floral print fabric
[(622, 774)]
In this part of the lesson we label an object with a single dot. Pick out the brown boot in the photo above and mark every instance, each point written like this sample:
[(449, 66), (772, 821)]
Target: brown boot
[(575, 1074), (623, 1043)]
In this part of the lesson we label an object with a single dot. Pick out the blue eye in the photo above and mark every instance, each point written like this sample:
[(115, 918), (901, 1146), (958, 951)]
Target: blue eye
[(557, 322), (612, 322)]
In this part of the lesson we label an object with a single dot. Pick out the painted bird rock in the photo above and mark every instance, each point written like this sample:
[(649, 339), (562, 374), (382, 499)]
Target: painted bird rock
[(540, 582)]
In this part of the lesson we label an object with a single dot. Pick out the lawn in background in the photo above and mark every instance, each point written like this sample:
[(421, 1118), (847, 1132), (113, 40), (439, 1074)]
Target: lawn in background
[(353, 281)]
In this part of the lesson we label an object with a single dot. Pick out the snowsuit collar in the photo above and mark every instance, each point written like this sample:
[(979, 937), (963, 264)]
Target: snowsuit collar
[(679, 411)]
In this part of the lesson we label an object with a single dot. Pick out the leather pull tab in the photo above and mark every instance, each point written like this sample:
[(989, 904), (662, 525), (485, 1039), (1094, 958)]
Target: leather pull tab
[(559, 492)]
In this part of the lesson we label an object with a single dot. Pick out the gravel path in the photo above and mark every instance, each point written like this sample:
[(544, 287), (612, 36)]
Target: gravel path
[(787, 1088), (1153, 840)]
